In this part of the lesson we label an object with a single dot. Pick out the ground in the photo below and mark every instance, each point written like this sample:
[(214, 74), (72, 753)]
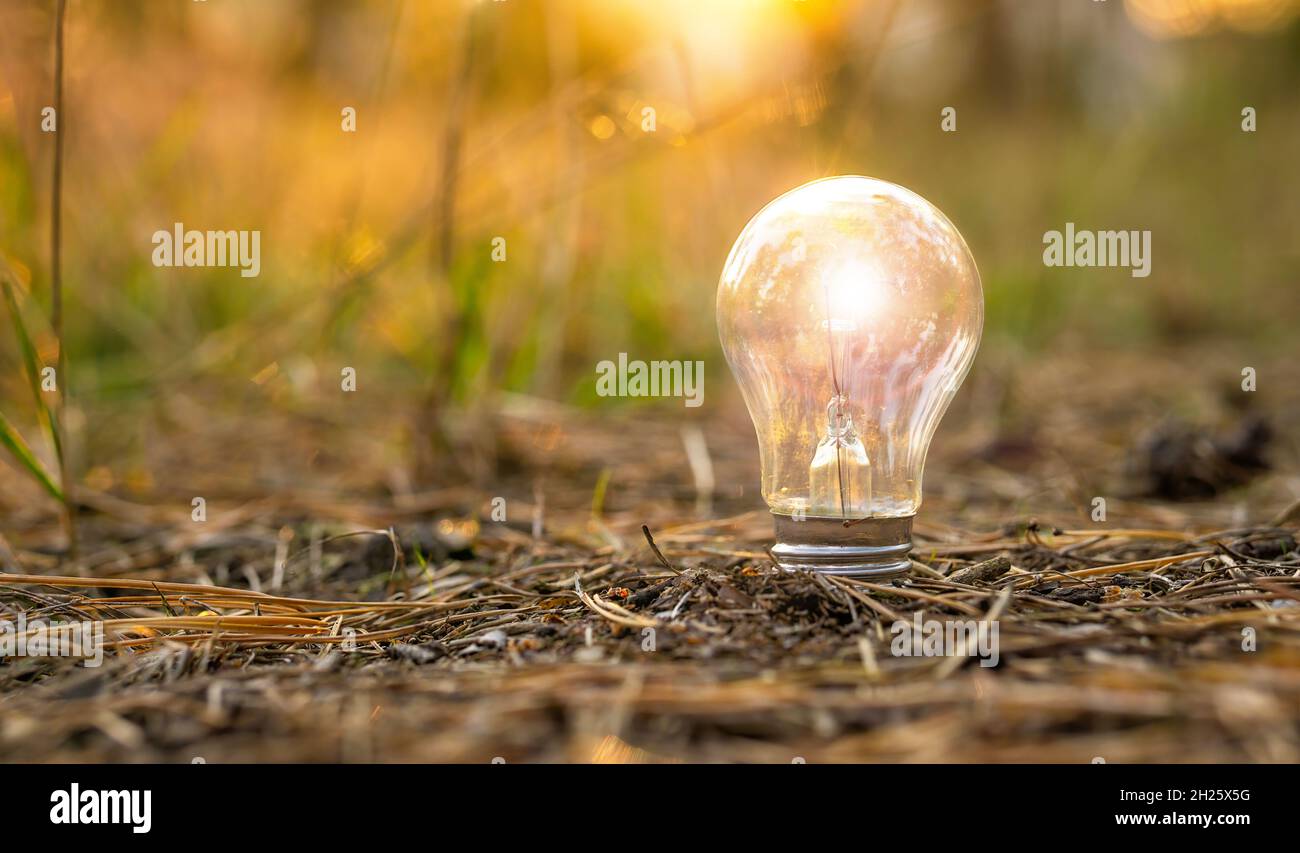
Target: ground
[(329, 610)]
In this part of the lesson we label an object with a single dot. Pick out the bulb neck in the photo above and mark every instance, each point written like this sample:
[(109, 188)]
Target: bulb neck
[(866, 547)]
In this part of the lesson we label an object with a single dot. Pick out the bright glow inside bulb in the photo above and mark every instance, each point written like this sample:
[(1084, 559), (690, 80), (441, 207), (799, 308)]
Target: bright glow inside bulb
[(850, 310)]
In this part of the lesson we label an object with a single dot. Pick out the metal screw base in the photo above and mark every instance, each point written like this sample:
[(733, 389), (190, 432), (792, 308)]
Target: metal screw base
[(866, 547)]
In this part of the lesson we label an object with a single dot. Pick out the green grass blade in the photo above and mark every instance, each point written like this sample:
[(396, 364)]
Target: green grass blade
[(31, 361), (10, 438)]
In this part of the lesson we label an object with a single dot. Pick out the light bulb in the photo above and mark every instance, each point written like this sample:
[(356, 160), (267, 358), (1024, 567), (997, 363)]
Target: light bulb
[(849, 310)]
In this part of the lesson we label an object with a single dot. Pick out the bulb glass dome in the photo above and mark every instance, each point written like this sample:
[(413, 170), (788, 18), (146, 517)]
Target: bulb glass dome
[(849, 310)]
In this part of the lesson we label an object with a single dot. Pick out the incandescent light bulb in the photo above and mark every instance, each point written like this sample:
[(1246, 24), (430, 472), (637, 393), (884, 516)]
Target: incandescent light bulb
[(849, 310)]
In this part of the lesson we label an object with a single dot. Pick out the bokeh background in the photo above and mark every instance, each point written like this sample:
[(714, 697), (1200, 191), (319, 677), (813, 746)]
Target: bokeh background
[(526, 120)]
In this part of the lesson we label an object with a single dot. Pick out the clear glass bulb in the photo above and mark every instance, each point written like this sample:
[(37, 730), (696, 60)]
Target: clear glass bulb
[(850, 310)]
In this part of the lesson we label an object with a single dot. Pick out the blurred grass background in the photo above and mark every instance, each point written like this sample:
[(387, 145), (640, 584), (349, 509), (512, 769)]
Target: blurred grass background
[(524, 120)]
